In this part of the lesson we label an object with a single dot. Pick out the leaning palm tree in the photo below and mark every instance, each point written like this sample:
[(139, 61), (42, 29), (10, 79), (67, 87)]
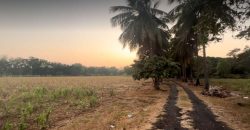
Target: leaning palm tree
[(207, 18), (143, 26)]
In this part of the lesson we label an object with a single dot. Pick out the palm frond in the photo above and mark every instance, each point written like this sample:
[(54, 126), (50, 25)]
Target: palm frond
[(121, 9), (122, 19)]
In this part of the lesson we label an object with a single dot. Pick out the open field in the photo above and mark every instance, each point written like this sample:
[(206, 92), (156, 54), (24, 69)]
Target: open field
[(106, 102), (77, 103)]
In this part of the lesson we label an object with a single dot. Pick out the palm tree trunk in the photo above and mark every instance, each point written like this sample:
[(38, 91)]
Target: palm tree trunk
[(184, 73), (197, 83), (206, 78), (191, 75)]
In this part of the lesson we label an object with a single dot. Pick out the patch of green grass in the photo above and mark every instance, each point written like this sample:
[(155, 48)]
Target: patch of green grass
[(242, 85), (31, 105), (7, 126)]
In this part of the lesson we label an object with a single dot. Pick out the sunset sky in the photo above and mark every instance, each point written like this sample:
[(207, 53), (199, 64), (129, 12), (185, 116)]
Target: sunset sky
[(73, 31)]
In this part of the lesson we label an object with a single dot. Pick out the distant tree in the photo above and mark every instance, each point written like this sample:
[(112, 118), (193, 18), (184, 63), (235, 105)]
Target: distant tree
[(77, 70), (243, 60), (128, 70), (223, 68), (40, 67), (113, 71), (4, 66)]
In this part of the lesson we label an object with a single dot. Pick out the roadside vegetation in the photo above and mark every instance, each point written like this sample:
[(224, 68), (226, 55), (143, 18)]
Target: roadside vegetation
[(241, 85)]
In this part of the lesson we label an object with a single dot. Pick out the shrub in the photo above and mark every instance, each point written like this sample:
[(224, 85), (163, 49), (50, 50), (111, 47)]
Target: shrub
[(155, 67)]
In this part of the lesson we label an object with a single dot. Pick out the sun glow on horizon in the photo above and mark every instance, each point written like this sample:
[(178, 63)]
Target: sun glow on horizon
[(74, 33)]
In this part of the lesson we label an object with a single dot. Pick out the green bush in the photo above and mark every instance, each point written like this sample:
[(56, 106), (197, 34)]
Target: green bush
[(155, 67)]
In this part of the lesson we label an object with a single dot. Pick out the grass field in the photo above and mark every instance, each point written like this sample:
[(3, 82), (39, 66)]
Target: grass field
[(76, 102), (71, 103), (242, 85)]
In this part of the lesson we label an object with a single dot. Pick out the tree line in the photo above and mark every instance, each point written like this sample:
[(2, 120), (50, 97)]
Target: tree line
[(196, 23), (236, 65), (39, 67)]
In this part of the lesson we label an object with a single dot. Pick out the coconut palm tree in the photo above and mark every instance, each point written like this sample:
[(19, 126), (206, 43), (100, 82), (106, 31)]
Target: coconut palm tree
[(183, 51), (143, 26), (207, 18)]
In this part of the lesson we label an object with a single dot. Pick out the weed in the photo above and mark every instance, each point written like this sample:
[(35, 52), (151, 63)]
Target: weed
[(43, 119), (7, 126), (26, 111), (5, 107), (90, 92), (22, 125), (40, 92), (93, 101), (66, 92)]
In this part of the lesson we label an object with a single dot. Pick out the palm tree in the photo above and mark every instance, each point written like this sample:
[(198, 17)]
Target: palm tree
[(207, 18), (183, 52), (143, 26)]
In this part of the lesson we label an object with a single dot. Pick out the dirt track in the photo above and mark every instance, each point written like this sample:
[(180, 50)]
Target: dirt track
[(169, 120), (203, 118)]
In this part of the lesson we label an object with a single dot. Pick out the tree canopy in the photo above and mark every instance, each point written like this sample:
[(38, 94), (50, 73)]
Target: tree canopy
[(143, 26)]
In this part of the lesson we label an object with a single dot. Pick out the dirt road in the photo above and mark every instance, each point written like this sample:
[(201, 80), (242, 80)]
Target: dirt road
[(199, 114)]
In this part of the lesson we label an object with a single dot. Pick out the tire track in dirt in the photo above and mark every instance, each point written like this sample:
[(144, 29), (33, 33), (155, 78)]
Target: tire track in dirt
[(184, 103), (170, 119), (203, 117)]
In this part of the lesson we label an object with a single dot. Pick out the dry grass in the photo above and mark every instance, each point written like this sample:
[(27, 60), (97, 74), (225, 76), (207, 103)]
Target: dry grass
[(228, 110), (107, 101)]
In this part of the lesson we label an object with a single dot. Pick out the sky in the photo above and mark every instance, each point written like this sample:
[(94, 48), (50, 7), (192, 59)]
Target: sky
[(74, 31)]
